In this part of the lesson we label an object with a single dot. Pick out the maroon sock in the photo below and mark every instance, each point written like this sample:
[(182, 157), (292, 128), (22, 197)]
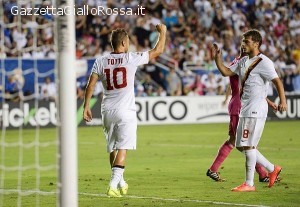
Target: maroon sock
[(261, 170), (223, 153)]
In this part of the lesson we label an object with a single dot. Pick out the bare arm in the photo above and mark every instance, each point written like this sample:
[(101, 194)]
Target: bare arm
[(87, 113), (280, 90), (228, 92), (160, 45), (225, 71)]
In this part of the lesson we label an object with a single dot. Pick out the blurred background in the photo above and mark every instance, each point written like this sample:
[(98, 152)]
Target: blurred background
[(186, 68)]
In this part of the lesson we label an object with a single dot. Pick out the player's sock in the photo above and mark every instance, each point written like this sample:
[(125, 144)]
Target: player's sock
[(116, 175), (250, 166), (223, 153), (260, 170), (122, 182), (264, 162)]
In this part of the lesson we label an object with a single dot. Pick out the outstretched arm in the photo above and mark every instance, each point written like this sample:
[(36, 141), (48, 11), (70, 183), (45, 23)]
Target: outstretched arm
[(160, 45), (280, 90), (87, 113), (217, 54)]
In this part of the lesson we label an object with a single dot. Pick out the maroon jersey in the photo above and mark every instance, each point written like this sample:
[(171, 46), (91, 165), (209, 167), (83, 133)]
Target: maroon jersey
[(235, 104)]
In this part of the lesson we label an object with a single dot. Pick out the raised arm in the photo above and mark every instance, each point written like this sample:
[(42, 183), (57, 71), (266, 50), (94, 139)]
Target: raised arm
[(217, 54), (280, 90), (87, 113), (160, 45)]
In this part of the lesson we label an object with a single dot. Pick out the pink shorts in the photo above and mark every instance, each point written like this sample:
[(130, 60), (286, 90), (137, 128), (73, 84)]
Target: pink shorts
[(234, 120)]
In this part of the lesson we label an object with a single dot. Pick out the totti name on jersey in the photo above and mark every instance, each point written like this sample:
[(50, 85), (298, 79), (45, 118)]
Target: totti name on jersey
[(115, 61)]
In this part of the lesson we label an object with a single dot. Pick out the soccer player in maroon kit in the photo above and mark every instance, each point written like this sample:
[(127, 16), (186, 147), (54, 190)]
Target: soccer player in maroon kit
[(234, 107)]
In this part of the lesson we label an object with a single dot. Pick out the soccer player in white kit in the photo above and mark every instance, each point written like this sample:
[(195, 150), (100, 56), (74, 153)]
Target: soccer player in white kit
[(117, 72), (255, 72)]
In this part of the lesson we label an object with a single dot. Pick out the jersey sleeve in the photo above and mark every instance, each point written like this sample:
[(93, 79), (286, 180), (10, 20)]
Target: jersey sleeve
[(96, 67), (139, 58), (234, 65), (268, 72), (234, 61)]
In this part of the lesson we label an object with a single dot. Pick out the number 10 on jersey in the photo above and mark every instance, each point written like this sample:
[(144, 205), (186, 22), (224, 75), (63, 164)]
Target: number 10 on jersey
[(115, 84)]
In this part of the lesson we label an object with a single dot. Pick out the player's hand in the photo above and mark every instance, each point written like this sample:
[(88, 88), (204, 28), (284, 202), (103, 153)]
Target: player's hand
[(224, 103), (273, 106), (161, 28), (282, 107), (87, 114), (216, 50)]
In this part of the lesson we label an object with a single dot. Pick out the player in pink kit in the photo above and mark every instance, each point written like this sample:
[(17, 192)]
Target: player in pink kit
[(255, 72), (117, 72), (234, 107)]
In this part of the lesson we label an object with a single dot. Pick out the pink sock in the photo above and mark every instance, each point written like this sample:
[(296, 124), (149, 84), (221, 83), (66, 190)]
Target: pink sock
[(223, 153), (261, 170)]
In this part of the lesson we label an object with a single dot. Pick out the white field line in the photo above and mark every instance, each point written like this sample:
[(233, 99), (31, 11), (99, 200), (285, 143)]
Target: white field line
[(44, 193), (214, 146), (176, 200), (88, 143), (197, 146)]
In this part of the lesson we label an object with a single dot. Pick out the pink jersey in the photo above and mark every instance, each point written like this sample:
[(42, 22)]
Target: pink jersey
[(235, 104)]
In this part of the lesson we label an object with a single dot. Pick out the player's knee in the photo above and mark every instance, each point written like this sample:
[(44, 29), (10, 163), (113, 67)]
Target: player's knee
[(240, 149), (231, 140)]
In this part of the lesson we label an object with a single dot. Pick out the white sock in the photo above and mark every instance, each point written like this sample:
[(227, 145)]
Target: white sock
[(122, 181), (264, 162), (116, 176), (250, 166)]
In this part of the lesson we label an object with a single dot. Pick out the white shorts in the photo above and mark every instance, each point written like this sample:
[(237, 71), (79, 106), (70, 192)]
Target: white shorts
[(119, 128), (249, 131)]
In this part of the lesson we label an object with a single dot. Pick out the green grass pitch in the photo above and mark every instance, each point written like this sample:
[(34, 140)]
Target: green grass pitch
[(167, 169)]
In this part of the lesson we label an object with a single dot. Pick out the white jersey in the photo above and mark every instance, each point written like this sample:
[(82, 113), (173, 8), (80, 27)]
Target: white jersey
[(117, 73), (255, 91)]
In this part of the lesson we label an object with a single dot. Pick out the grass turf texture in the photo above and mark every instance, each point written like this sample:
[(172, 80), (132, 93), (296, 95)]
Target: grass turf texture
[(167, 169)]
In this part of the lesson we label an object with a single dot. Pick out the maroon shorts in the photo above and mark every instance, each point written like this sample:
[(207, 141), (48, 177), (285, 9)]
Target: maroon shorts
[(234, 120)]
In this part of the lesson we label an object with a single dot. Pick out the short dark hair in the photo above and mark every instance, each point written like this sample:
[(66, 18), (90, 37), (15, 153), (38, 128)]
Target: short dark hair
[(255, 35), (117, 36)]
